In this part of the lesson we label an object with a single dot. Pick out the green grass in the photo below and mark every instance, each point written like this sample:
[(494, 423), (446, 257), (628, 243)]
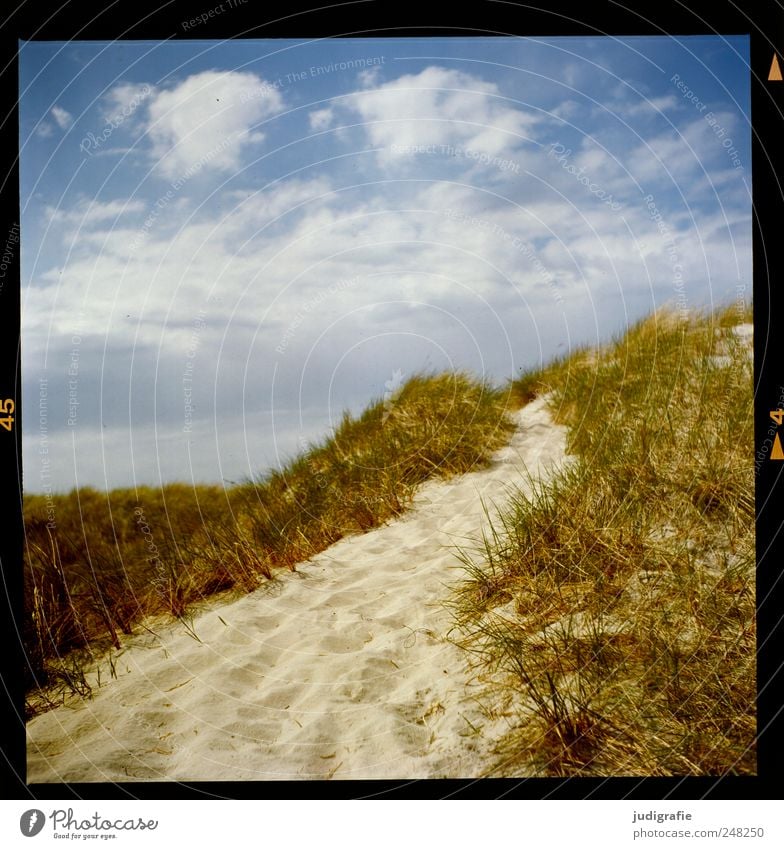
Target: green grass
[(611, 610), (114, 559)]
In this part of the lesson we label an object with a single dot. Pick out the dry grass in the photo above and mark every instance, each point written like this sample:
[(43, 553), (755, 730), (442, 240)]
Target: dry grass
[(613, 609), (113, 559)]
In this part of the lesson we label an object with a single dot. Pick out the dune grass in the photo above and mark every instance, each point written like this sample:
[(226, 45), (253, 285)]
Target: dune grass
[(98, 565), (612, 611)]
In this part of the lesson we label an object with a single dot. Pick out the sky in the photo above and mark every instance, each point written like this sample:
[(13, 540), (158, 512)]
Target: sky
[(225, 245)]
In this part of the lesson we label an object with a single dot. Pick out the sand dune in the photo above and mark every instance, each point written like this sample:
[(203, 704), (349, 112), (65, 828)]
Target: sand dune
[(339, 670)]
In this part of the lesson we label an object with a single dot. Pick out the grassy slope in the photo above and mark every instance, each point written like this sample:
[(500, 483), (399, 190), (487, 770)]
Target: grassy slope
[(114, 558), (616, 606)]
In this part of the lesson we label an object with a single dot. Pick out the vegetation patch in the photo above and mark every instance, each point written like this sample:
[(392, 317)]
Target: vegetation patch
[(98, 564), (612, 609)]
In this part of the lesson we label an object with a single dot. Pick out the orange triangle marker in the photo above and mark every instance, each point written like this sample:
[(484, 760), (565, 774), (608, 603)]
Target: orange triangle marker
[(777, 453), (775, 70)]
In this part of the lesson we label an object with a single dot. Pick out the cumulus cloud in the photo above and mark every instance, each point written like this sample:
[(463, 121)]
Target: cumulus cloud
[(320, 119), (94, 212), (693, 156), (440, 106), (254, 210), (652, 105), (122, 103), (270, 253), (369, 76), (209, 119), (63, 118)]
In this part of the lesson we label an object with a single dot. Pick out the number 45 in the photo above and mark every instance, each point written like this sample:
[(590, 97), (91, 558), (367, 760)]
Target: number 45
[(7, 407), (777, 416)]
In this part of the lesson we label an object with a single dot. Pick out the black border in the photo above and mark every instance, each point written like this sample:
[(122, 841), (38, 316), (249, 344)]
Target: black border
[(143, 19)]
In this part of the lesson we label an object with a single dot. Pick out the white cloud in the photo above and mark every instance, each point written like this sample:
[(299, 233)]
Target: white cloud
[(254, 210), (63, 118), (368, 78), (122, 103), (320, 119), (88, 213), (571, 72), (276, 249), (693, 153), (655, 104), (44, 130), (566, 110), (209, 119), (440, 106), (627, 108)]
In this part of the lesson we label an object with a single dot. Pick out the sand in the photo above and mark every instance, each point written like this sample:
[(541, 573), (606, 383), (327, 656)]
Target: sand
[(342, 669)]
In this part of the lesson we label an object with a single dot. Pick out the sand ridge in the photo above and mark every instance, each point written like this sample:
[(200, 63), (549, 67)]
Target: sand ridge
[(340, 670)]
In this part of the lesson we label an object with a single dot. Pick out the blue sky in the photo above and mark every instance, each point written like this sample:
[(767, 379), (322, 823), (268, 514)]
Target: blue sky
[(227, 244)]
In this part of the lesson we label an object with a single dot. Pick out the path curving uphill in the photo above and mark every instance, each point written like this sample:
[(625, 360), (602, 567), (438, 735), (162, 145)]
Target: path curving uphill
[(339, 670)]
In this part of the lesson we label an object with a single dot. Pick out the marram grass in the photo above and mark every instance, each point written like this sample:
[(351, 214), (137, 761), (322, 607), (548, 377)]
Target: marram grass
[(612, 611), (99, 564)]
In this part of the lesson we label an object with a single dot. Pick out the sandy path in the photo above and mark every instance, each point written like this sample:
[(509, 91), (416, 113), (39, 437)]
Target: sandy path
[(338, 670)]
